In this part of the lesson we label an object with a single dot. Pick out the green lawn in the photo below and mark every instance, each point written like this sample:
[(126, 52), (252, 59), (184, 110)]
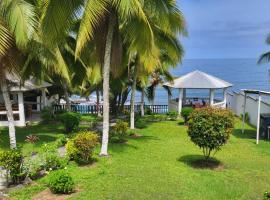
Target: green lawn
[(157, 166)]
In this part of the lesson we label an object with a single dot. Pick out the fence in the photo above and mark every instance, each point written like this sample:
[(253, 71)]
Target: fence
[(93, 109)]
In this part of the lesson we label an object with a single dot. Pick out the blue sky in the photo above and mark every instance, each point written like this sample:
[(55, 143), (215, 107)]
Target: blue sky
[(226, 28)]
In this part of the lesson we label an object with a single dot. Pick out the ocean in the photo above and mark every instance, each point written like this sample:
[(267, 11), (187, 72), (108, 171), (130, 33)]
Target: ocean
[(242, 73)]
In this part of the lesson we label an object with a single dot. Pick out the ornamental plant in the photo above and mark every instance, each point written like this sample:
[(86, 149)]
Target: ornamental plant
[(186, 111), (120, 130), (70, 121), (172, 115), (60, 182), (81, 147), (210, 128)]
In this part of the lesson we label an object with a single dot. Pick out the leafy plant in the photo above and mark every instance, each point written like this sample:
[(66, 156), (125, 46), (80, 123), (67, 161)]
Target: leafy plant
[(46, 114), (120, 130), (172, 115), (81, 147), (186, 111), (32, 139), (148, 111), (60, 182), (266, 196), (70, 120), (61, 141), (12, 160), (210, 128)]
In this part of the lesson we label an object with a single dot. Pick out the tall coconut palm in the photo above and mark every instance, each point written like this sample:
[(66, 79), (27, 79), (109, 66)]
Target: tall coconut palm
[(17, 24), (266, 56)]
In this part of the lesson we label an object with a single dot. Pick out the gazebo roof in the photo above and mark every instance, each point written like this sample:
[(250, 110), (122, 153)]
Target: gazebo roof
[(17, 85), (198, 80)]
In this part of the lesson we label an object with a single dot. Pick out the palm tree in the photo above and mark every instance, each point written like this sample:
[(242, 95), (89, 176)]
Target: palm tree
[(266, 56), (17, 24)]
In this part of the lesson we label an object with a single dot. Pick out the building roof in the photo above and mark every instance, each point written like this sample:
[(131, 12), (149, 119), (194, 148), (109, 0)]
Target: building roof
[(251, 91), (198, 80), (17, 85)]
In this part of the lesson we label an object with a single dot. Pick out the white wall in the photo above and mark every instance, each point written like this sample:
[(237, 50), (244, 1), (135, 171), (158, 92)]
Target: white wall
[(235, 102)]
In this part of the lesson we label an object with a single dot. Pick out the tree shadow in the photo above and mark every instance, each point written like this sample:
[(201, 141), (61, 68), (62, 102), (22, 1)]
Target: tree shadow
[(199, 162), (121, 147), (181, 123)]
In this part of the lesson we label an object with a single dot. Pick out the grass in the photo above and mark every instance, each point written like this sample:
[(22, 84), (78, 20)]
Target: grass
[(158, 166)]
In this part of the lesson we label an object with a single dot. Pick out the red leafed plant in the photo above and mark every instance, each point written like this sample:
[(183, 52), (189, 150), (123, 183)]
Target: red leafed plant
[(32, 138)]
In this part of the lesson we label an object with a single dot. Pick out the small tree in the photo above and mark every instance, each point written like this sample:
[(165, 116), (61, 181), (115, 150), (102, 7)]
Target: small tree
[(210, 128)]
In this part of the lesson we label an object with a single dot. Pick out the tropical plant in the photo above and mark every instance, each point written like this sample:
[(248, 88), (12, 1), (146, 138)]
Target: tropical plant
[(70, 121), (17, 25), (210, 128), (120, 129), (264, 58), (60, 182), (186, 111), (32, 138)]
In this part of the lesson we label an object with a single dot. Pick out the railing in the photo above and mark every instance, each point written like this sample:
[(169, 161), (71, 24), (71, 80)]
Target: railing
[(93, 109)]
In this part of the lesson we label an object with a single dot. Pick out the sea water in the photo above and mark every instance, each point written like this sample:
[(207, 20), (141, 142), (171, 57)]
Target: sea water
[(242, 73)]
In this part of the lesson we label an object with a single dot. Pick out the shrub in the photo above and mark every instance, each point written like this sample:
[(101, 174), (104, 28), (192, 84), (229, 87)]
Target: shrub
[(148, 111), (210, 128), (60, 182), (172, 115), (50, 158), (81, 147), (12, 161), (70, 120), (32, 167), (120, 130), (186, 111), (61, 141), (46, 114), (266, 196)]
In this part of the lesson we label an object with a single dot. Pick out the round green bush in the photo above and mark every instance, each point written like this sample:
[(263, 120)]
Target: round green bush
[(119, 130), (60, 182), (70, 121), (172, 115), (210, 128), (81, 147), (186, 111)]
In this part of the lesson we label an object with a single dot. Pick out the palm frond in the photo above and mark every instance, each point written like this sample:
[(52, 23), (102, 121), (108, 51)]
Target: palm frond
[(265, 58)]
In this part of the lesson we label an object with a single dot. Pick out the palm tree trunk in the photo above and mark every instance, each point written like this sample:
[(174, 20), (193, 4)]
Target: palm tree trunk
[(132, 99), (8, 105), (68, 106), (142, 102), (106, 86), (98, 103)]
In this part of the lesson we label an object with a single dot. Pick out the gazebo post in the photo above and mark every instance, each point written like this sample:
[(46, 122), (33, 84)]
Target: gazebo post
[(184, 95), (43, 100), (180, 101), (258, 119), (21, 109), (225, 97), (212, 93), (244, 113)]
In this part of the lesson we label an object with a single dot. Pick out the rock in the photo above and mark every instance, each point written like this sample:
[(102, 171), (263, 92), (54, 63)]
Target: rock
[(27, 181), (62, 151)]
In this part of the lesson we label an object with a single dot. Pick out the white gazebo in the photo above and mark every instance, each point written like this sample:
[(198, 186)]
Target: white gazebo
[(17, 90), (197, 80)]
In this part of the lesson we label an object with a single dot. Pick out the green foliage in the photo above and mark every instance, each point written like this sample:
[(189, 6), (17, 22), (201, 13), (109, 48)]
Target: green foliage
[(70, 120), (50, 158), (60, 182), (47, 115), (120, 130), (12, 160), (210, 128), (266, 196), (148, 111), (81, 147), (172, 115), (61, 141), (186, 111), (32, 167)]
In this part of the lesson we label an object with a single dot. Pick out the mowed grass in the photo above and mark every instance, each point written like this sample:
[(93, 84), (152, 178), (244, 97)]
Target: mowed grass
[(157, 166)]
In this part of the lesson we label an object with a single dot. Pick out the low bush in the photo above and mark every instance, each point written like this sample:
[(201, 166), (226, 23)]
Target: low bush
[(186, 111), (172, 115), (120, 130), (61, 141), (50, 158), (81, 147), (70, 121), (12, 161), (210, 128), (266, 196), (60, 182), (148, 111), (47, 115)]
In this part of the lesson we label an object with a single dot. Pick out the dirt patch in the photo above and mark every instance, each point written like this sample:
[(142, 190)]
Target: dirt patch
[(135, 135), (48, 195)]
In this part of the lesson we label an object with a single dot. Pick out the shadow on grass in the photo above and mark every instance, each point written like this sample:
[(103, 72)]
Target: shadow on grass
[(181, 123), (248, 134), (199, 162)]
